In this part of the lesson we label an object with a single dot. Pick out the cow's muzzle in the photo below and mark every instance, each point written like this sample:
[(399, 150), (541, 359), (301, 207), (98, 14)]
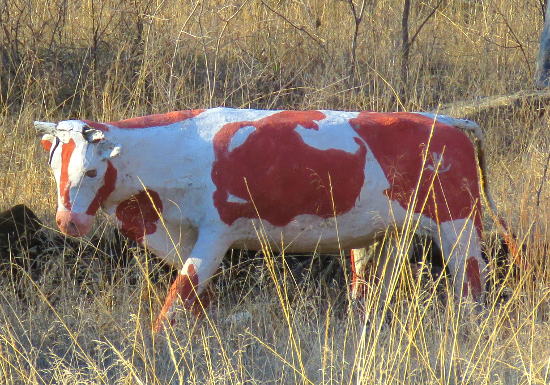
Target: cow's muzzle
[(74, 224)]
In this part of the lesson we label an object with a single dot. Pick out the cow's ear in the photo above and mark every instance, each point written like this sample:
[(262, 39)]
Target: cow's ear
[(47, 142), (108, 150), (91, 135)]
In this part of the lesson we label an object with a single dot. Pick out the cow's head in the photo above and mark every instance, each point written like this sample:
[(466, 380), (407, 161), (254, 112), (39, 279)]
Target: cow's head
[(80, 160)]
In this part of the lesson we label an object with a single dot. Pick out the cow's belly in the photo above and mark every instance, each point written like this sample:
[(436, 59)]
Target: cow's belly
[(307, 244), (307, 233)]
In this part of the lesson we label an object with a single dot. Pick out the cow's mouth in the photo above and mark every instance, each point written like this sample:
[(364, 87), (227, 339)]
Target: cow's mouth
[(74, 224)]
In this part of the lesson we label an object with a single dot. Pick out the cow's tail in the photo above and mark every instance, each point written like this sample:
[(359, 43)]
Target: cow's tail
[(474, 130)]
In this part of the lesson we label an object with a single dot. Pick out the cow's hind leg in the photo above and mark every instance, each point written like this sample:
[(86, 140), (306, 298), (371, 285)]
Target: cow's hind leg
[(374, 265), (359, 259), (461, 248)]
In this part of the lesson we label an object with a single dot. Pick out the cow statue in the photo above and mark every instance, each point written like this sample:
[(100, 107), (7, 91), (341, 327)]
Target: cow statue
[(189, 185)]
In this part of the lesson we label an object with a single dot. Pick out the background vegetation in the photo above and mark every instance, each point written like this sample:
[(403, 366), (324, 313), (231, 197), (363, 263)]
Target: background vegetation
[(108, 60)]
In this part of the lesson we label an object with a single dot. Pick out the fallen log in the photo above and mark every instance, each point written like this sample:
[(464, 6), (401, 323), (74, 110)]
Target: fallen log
[(465, 109)]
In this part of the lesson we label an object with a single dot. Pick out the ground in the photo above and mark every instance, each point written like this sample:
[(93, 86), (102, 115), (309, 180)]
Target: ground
[(82, 320)]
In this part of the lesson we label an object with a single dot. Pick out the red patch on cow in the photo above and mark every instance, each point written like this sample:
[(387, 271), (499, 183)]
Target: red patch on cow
[(46, 145), (399, 141), (109, 182), (139, 214), (278, 176), (474, 280), (147, 121), (64, 185), (184, 288)]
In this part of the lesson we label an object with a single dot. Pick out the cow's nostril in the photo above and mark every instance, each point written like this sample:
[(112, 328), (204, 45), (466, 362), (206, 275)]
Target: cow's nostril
[(72, 227)]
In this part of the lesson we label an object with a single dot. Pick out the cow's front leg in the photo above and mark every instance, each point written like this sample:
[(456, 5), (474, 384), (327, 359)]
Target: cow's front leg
[(171, 243), (194, 277)]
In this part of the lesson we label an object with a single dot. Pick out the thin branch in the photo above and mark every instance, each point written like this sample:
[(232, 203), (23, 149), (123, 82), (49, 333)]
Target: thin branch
[(298, 27), (434, 10), (405, 45), (516, 39), (357, 18), (543, 179)]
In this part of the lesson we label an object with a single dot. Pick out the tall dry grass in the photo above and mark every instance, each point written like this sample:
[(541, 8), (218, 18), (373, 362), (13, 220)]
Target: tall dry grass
[(107, 60)]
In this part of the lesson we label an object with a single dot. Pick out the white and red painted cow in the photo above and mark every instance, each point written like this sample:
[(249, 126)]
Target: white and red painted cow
[(192, 184)]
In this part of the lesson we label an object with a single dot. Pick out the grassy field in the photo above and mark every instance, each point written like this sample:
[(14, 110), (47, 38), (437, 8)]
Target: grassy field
[(106, 60)]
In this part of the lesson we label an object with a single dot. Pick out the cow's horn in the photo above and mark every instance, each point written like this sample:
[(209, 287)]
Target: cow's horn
[(45, 127)]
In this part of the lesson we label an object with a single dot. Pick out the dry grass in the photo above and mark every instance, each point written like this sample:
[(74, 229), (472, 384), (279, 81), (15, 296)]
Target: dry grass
[(107, 60)]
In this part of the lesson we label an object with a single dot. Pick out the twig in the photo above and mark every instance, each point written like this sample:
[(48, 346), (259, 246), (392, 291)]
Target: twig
[(298, 27), (514, 36), (543, 179), (405, 45), (407, 42), (357, 18), (434, 10)]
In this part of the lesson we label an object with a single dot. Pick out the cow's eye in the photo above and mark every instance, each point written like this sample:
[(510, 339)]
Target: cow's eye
[(91, 173)]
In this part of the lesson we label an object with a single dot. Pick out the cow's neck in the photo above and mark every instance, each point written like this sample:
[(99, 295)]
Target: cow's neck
[(163, 159)]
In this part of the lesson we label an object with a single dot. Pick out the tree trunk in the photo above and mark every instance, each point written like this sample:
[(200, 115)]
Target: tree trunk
[(543, 62), (405, 47)]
